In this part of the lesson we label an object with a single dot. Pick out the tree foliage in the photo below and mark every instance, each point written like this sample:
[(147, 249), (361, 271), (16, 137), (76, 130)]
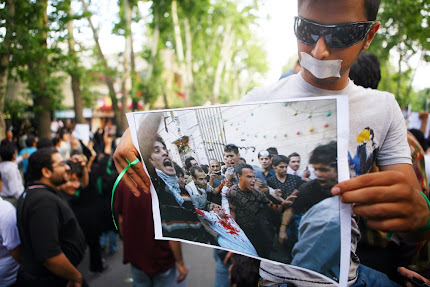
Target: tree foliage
[(221, 55), (404, 34)]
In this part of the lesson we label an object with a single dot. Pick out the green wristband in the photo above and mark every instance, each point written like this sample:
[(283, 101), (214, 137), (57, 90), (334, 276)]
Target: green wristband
[(427, 226)]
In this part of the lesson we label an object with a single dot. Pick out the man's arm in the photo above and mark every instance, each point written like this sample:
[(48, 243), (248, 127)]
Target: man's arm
[(61, 266), (120, 225), (287, 216), (180, 266), (388, 199), (16, 253), (423, 116), (284, 204)]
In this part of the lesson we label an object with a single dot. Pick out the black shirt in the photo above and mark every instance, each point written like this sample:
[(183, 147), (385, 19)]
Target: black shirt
[(287, 187), (310, 194), (47, 227)]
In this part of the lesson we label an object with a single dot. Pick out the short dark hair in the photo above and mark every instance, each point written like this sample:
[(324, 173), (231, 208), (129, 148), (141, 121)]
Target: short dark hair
[(238, 168), (371, 6), (160, 139), (44, 143), (55, 141), (39, 159), (205, 168), (178, 170), (188, 164), (231, 147), (76, 168), (195, 169), (366, 71), (30, 140), (325, 154), (244, 271), (420, 138), (277, 159), (293, 154), (7, 151), (273, 150)]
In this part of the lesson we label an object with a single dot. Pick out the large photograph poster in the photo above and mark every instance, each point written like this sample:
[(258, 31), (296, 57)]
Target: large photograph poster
[(212, 183)]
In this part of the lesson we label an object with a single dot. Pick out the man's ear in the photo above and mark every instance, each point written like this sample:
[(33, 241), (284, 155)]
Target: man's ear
[(371, 35), (46, 172)]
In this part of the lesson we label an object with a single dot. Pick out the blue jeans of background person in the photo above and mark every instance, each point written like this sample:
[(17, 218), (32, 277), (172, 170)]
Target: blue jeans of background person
[(221, 271), (368, 277), (141, 279), (111, 235)]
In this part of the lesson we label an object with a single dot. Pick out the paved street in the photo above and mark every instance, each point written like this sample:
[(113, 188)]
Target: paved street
[(199, 260)]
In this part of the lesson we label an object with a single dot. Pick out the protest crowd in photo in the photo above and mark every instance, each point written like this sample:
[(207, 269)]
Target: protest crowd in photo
[(321, 178)]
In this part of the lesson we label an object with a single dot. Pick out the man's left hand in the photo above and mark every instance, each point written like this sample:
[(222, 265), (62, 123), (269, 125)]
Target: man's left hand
[(182, 270)]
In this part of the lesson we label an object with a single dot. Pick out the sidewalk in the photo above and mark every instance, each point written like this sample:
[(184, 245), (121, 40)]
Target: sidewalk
[(199, 261)]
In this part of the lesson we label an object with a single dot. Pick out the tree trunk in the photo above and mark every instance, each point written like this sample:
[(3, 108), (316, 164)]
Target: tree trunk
[(408, 92), (38, 72), (388, 77), (399, 83), (4, 62), (226, 46), (135, 78), (188, 57), (108, 78), (180, 51), (74, 73), (126, 78)]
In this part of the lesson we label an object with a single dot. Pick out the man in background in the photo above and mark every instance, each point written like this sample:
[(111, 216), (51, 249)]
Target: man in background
[(52, 241), (153, 262)]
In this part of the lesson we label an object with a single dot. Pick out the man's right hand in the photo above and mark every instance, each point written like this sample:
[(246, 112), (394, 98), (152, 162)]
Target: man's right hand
[(135, 175), (282, 236), (290, 199)]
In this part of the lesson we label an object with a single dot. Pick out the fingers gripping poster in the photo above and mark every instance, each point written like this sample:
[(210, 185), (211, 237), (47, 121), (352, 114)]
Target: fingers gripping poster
[(253, 179)]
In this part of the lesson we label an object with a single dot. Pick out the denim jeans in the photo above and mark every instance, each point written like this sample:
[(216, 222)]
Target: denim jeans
[(368, 277), (141, 279), (221, 271), (111, 236)]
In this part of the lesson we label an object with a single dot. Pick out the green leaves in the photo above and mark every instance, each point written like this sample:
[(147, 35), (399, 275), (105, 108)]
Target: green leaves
[(403, 33)]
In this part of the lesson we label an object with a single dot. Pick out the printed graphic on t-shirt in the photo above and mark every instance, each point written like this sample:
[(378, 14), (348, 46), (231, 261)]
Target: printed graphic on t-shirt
[(367, 151)]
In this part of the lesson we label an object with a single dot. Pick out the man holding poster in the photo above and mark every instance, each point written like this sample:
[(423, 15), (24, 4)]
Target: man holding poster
[(331, 34)]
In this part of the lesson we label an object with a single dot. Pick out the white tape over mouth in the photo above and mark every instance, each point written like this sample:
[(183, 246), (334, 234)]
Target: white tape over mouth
[(321, 69)]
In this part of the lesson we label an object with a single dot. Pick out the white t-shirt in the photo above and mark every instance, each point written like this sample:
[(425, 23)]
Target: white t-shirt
[(377, 132), (12, 180), (9, 239)]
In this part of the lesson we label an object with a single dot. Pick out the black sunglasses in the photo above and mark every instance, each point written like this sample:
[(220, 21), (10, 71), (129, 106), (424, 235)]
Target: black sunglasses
[(336, 36)]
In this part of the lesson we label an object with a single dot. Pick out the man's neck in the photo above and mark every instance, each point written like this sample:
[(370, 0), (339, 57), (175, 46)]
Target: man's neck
[(281, 178), (47, 182), (335, 84)]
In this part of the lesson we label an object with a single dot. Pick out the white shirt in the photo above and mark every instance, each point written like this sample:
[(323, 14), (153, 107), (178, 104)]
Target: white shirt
[(12, 181), (9, 239), (198, 198)]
